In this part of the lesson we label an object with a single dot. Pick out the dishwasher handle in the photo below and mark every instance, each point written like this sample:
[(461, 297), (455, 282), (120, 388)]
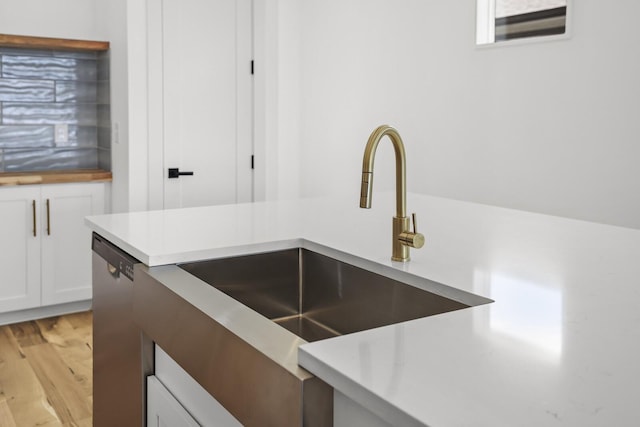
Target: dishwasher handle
[(118, 261), (113, 270)]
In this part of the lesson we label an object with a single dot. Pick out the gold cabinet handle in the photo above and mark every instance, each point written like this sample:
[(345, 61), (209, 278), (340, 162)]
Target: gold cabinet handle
[(33, 208), (48, 219)]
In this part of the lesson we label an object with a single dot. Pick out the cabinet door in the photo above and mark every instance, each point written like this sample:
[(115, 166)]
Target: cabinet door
[(163, 410), (66, 240), (19, 248)]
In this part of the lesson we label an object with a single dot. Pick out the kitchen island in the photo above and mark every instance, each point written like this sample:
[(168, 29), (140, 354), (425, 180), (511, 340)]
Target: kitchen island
[(558, 346)]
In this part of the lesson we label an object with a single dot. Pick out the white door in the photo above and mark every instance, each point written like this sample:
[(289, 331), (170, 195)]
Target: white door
[(19, 248), (66, 241), (206, 96)]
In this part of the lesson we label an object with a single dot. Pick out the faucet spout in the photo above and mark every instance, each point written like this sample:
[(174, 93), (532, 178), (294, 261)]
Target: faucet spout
[(403, 238), (367, 168)]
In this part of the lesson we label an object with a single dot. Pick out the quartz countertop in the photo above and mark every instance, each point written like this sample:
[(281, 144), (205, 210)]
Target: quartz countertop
[(559, 346)]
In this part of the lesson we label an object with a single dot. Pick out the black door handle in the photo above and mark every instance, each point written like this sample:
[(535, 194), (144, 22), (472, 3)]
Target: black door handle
[(175, 173)]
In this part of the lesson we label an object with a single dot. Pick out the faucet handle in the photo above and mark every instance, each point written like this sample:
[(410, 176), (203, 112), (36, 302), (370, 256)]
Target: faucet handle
[(412, 238)]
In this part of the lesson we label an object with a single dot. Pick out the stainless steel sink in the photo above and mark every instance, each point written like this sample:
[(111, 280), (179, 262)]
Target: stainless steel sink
[(219, 320), (315, 296)]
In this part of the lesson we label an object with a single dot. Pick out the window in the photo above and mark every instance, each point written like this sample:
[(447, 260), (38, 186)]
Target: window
[(502, 20)]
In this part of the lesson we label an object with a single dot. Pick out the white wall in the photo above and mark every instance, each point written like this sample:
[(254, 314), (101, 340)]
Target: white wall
[(549, 127), (111, 18), (277, 97), (123, 24), (72, 19), (138, 166), (289, 93)]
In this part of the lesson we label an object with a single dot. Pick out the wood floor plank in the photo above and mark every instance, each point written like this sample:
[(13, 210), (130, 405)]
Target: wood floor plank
[(67, 399), (20, 387), (82, 320), (27, 333), (6, 419), (73, 344), (46, 375), (9, 347), (88, 422)]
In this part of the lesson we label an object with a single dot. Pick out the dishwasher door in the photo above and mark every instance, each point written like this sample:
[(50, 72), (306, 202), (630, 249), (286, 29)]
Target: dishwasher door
[(122, 356)]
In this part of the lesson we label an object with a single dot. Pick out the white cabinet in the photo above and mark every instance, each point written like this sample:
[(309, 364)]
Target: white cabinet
[(163, 410), (66, 241), (45, 250), (195, 400), (19, 248)]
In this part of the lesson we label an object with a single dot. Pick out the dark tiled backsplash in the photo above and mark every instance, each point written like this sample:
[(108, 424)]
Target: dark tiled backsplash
[(50, 159), (27, 90), (49, 113), (49, 68), (40, 89), (30, 137)]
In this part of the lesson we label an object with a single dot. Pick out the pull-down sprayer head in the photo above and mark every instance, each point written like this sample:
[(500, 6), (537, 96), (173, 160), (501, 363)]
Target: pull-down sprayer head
[(366, 190)]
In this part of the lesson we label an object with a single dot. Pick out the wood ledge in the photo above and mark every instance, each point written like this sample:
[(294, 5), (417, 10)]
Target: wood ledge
[(31, 42), (55, 177)]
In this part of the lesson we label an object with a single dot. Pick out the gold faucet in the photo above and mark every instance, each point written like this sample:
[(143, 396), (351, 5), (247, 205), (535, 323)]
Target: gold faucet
[(402, 237)]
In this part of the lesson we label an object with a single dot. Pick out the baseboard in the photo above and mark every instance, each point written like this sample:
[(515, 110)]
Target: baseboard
[(44, 312)]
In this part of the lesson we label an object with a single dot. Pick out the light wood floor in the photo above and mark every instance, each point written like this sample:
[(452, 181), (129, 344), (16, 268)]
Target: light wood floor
[(46, 372)]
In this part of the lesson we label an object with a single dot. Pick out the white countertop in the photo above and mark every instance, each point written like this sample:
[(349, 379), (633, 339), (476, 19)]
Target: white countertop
[(559, 346)]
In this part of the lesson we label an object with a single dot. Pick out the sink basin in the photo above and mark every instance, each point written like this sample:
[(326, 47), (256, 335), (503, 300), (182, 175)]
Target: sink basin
[(315, 296), (236, 352)]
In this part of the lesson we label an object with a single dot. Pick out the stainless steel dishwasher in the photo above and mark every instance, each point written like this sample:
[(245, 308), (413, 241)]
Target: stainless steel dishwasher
[(122, 355)]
